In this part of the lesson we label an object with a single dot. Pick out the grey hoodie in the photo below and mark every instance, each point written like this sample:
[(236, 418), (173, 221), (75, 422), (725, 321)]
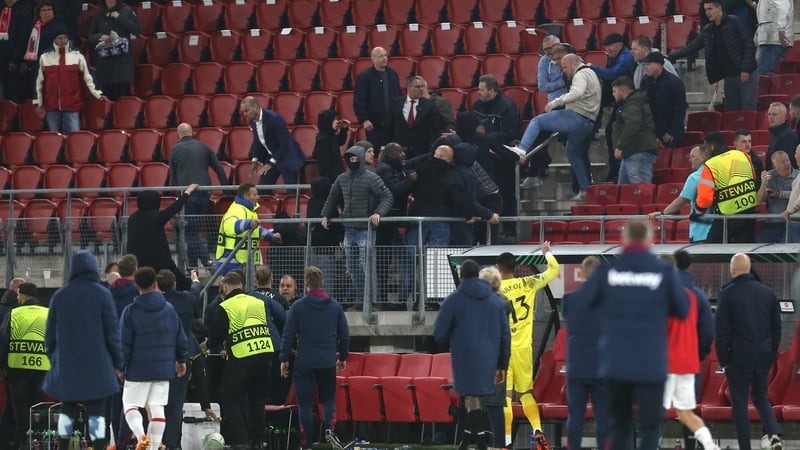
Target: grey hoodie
[(359, 192)]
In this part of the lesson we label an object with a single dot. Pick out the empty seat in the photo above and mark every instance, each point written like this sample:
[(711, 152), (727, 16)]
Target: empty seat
[(79, 146), (645, 26), (622, 8), (687, 8), (464, 71), (145, 78), (213, 137), (607, 26), (522, 98), (335, 75), (60, 178), (111, 146), (667, 192), (127, 112), (465, 11), (351, 42), (153, 174), (207, 78), (524, 10), (70, 213), (239, 15), (557, 11), (612, 231), (446, 39), (334, 13), (602, 194), (433, 69), (414, 40), (301, 13), (36, 221), (192, 110), (478, 38), (288, 105), (525, 70), (316, 102), (101, 219), (531, 39), (256, 45), (369, 406), (271, 15), (679, 29), (175, 79), (320, 41), (238, 144), (399, 394), (398, 12), (344, 107), (365, 12), (502, 66), (306, 136), (403, 66), (144, 145), (29, 119), (207, 16), (8, 115), (304, 75), (583, 231), (122, 175), (549, 230), (240, 77), (671, 175), (704, 121), (680, 157), (654, 8), (588, 10), (159, 112), (580, 34), (147, 13), (223, 110), (47, 148), (270, 77), (287, 44), (436, 400), (786, 84), (26, 177), (507, 37), (637, 193), (175, 16), (225, 46), (382, 36), (90, 176), (162, 48)]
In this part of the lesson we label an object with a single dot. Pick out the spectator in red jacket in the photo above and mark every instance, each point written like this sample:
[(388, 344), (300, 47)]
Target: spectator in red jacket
[(58, 84)]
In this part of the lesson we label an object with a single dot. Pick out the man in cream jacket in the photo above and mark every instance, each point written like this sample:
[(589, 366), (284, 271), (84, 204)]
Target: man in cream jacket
[(775, 33)]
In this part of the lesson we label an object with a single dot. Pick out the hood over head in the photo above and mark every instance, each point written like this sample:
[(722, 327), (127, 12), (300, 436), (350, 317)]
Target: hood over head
[(476, 288), (465, 154), (452, 140), (325, 120), (466, 124), (321, 187), (148, 200), (84, 265), (358, 151), (366, 145), (151, 301)]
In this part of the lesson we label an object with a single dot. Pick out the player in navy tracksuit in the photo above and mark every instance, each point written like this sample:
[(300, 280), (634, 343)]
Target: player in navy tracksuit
[(317, 327), (748, 339), (634, 295), (583, 377)]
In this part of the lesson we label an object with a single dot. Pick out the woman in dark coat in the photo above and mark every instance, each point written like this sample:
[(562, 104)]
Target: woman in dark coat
[(146, 237), (114, 73), (332, 135)]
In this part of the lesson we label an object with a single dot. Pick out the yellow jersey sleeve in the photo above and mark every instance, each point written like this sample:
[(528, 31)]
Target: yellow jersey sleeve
[(521, 293)]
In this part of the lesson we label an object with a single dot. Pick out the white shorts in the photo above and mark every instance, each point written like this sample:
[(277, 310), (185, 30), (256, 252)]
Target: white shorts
[(679, 392), (143, 393)]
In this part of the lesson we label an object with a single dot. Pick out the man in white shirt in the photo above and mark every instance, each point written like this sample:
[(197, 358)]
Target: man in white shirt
[(775, 33)]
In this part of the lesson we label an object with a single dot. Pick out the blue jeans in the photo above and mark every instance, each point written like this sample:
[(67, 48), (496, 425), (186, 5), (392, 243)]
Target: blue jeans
[(434, 234), (578, 130), (741, 96), (578, 391), (768, 57), (195, 207), (772, 233), (63, 121), (326, 262), (637, 168), (355, 252)]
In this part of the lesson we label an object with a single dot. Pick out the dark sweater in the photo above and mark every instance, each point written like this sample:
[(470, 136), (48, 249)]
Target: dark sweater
[(783, 138), (667, 97), (439, 191), (317, 327), (583, 333), (369, 101), (705, 319)]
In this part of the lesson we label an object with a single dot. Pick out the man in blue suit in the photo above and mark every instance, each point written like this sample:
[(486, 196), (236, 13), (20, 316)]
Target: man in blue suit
[(275, 152)]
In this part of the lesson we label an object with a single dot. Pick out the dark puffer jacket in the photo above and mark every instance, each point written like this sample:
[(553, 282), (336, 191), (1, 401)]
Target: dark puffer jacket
[(634, 130), (115, 69), (359, 192), (474, 187)]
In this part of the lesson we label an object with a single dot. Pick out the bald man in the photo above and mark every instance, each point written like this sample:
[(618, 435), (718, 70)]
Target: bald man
[(374, 89), (189, 160), (748, 338)]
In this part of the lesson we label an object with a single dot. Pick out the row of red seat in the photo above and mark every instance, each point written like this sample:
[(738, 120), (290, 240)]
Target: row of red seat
[(589, 231), (177, 16), (705, 121)]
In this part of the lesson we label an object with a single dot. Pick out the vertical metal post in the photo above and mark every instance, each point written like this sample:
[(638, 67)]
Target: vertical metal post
[(67, 240), (309, 250), (725, 230), (11, 246), (517, 194), (180, 240), (423, 288), (368, 266)]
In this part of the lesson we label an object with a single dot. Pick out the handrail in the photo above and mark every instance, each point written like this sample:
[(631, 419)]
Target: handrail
[(217, 273), (227, 187)]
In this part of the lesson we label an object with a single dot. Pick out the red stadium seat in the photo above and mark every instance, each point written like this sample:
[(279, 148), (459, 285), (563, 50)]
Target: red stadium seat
[(584, 210), (5, 178), (734, 120), (26, 177), (602, 194), (588, 10), (399, 393), (79, 147), (436, 401), (90, 176), (521, 97), (663, 158), (524, 10), (583, 231), (224, 46), (85, 18), (622, 8), (760, 137), (147, 13), (579, 33), (144, 145), (637, 193), (162, 48), (145, 78), (687, 8), (787, 84), (287, 42), (557, 11), (207, 78), (333, 14), (531, 39), (127, 112), (369, 407), (168, 140), (464, 71), (207, 16), (255, 45), (122, 176), (351, 42), (320, 41), (36, 221), (102, 219), (154, 174), (303, 75), (607, 26), (8, 114), (228, 169), (222, 110), (138, 46), (382, 36), (644, 26), (270, 15), (316, 102), (507, 37), (288, 104), (454, 96), (446, 39), (111, 146), (192, 109), (301, 12), (471, 97), (11, 208), (413, 40), (672, 175), (654, 8), (433, 68), (59, 177), (365, 12), (622, 209), (239, 141), (242, 173), (306, 136), (525, 69), (667, 192), (344, 106), (239, 15), (679, 28), (465, 11), (70, 214), (767, 99), (692, 138), (502, 66), (335, 75), (29, 119), (17, 148), (398, 12), (159, 112), (47, 148), (612, 231), (554, 231), (270, 76), (704, 121), (403, 66), (175, 78), (175, 15), (478, 37), (240, 77), (680, 157)]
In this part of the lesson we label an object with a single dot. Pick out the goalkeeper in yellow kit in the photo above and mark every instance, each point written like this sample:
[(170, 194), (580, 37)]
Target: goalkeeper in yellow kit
[(521, 293)]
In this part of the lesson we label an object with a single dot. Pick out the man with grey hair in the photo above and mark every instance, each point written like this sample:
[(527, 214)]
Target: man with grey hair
[(189, 160), (783, 137), (576, 121), (776, 188), (414, 121), (372, 94), (549, 76)]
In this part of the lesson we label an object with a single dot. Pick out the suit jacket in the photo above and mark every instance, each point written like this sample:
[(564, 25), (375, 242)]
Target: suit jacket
[(283, 146), (418, 138)]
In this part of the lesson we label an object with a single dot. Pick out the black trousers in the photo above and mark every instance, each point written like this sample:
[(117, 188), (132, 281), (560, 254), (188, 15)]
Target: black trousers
[(25, 387), (649, 397), (173, 412), (244, 389), (753, 378), (305, 381), (739, 231)]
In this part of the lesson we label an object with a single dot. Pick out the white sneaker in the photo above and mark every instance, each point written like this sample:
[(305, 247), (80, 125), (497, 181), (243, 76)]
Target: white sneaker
[(580, 196), (765, 443), (518, 150), (530, 183)]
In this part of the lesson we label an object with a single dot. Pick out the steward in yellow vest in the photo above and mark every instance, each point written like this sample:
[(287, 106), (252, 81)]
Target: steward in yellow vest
[(22, 356), (240, 325), (240, 217)]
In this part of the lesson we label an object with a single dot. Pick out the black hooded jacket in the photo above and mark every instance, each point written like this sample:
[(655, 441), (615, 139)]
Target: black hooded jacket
[(320, 237), (466, 128), (439, 191), (146, 237), (326, 149)]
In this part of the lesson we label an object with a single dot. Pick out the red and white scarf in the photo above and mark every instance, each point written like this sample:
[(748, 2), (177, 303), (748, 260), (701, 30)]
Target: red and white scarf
[(32, 54), (5, 22)]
